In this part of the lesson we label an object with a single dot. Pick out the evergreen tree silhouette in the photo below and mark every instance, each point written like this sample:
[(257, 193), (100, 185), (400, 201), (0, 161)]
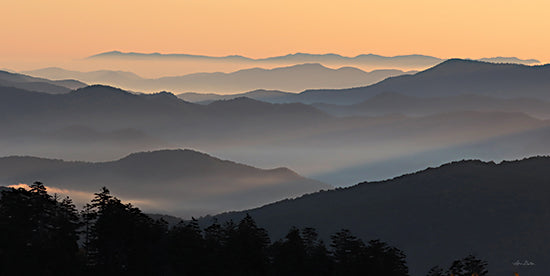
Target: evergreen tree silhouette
[(436, 271), (39, 233), (122, 238), (289, 255), (318, 262), (348, 253), (215, 240), (383, 259), (186, 249), (249, 244), (468, 266)]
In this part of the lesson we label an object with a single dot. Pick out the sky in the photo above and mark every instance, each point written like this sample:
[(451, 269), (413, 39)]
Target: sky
[(36, 32)]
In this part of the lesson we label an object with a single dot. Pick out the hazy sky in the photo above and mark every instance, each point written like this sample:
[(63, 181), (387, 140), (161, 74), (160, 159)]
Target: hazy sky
[(34, 30)]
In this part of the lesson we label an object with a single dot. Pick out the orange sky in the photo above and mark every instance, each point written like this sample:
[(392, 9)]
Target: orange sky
[(38, 30)]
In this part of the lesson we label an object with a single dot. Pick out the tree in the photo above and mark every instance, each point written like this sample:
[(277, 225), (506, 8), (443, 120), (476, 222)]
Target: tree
[(385, 260), (289, 255), (318, 261), (38, 229), (468, 266), (436, 271), (301, 252), (249, 246), (215, 242), (348, 253), (352, 257), (122, 240), (186, 249)]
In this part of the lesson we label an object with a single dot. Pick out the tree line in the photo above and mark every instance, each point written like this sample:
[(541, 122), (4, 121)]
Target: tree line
[(41, 234)]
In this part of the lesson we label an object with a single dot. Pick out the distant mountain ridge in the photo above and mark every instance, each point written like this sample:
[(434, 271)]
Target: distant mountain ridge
[(510, 60), (183, 182), (290, 78), (499, 212), (414, 59), (449, 78), (21, 81), (271, 96)]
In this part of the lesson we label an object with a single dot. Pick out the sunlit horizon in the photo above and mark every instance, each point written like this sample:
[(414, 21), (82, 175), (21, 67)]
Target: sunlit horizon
[(43, 33)]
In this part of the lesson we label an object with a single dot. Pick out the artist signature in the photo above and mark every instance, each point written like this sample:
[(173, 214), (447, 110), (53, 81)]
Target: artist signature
[(526, 262)]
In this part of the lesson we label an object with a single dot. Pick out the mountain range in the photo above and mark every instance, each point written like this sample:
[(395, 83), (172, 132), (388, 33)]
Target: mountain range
[(293, 78), (499, 212), (181, 182), (401, 61), (450, 78), (388, 103), (454, 77), (102, 123), (457, 109), (271, 96), (105, 108), (395, 103), (21, 81)]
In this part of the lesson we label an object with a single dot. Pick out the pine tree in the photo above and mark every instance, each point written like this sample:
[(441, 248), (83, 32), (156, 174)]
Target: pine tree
[(348, 253), (468, 266), (436, 271), (122, 239), (289, 255), (186, 249), (385, 260), (39, 233), (250, 244)]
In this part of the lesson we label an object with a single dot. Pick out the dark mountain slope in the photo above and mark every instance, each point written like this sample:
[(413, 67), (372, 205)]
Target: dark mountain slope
[(452, 77), (500, 212), (394, 103)]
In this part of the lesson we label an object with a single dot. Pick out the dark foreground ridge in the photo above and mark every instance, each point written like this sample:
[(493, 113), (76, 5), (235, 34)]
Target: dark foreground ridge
[(111, 238), (499, 211)]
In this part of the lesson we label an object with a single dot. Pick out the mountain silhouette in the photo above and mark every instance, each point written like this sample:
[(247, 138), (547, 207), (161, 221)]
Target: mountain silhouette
[(184, 182), (403, 61), (105, 103), (399, 61), (292, 78), (116, 78), (160, 115), (49, 122), (395, 103), (449, 78), (498, 211), (271, 96), (129, 55), (510, 60), (38, 84), (99, 123)]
